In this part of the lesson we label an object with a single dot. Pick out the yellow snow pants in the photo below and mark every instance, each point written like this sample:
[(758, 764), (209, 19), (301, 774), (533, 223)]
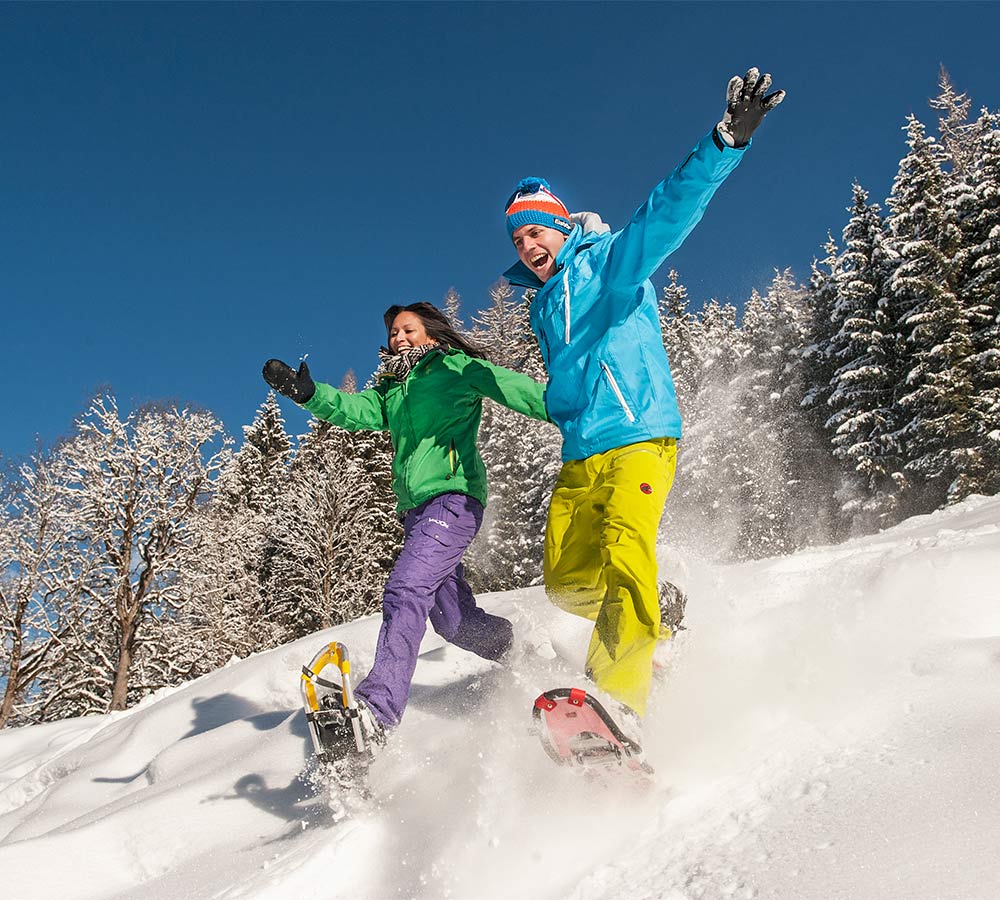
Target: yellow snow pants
[(600, 559)]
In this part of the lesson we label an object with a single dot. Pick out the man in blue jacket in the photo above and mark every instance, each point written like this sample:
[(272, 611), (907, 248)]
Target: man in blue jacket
[(611, 393)]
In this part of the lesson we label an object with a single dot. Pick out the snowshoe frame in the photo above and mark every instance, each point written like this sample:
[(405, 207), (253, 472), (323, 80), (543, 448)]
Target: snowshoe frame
[(314, 688)]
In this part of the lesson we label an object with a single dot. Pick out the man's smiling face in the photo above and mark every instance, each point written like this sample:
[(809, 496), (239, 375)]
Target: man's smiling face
[(537, 247)]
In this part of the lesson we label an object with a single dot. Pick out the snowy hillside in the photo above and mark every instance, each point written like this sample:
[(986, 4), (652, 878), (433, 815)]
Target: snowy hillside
[(830, 729)]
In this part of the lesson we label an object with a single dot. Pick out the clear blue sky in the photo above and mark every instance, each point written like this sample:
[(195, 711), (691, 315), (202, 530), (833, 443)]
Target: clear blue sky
[(187, 190)]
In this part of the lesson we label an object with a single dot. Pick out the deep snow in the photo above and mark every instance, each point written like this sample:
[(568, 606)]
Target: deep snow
[(829, 728)]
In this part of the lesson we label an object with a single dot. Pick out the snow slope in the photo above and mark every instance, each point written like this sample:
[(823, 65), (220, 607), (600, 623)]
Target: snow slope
[(829, 728)]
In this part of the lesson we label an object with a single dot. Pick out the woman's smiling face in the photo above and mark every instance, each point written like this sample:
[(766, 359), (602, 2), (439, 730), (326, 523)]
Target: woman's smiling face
[(407, 332)]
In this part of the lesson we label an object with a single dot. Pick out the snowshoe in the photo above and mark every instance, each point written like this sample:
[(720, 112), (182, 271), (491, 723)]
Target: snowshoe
[(576, 730), (345, 733)]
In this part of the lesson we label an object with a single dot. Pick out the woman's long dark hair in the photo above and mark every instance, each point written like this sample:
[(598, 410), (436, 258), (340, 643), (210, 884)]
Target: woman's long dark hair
[(437, 326)]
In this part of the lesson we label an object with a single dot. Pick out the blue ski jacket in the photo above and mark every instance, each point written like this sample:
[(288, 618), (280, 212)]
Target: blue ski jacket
[(597, 319)]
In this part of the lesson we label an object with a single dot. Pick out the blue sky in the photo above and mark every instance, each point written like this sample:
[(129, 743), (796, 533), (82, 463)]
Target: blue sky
[(187, 189)]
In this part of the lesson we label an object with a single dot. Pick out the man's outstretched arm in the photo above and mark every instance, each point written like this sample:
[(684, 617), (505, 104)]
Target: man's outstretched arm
[(677, 204)]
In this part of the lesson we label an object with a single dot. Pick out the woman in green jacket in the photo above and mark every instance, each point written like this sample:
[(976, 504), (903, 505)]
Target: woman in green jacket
[(429, 396)]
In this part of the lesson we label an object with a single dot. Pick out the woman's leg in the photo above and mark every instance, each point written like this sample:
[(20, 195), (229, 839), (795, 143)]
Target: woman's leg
[(435, 540), (455, 615), (459, 620)]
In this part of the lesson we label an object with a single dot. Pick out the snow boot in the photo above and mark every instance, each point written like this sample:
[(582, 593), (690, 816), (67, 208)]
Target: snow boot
[(672, 603), (337, 730)]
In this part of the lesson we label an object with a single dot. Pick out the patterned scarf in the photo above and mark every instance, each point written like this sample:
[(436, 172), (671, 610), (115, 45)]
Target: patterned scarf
[(399, 365)]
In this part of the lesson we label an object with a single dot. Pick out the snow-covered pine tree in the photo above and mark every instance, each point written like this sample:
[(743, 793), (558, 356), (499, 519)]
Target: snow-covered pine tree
[(680, 329), (373, 452), (328, 561), (774, 460), (961, 145), (814, 479), (257, 472), (821, 328), (700, 513), (760, 469), (500, 326), (453, 309), (866, 353), (981, 473), (693, 362), (935, 399), (228, 562), (957, 134), (521, 456)]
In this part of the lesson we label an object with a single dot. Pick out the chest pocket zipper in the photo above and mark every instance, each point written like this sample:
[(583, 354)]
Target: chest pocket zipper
[(618, 393)]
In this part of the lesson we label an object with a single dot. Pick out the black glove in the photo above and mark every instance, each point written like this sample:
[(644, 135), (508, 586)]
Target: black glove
[(297, 386), (746, 106)]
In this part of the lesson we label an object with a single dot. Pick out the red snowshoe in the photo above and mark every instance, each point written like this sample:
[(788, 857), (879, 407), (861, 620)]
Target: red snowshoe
[(576, 730)]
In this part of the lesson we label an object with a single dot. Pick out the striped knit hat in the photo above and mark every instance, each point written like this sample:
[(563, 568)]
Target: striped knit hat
[(533, 203)]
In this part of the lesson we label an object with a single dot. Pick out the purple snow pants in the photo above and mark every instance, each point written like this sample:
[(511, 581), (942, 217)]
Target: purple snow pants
[(428, 580)]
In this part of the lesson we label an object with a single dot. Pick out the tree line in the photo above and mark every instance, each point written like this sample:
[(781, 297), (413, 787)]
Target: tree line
[(147, 548)]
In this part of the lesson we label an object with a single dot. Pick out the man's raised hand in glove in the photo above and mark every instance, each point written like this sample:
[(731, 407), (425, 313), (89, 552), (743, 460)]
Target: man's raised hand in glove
[(747, 102), (297, 386)]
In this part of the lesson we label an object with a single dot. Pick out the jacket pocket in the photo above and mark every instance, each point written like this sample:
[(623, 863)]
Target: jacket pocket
[(618, 392), (451, 519), (544, 346)]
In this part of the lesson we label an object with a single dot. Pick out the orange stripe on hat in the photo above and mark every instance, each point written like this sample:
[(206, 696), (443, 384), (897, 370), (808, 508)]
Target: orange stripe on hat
[(533, 201)]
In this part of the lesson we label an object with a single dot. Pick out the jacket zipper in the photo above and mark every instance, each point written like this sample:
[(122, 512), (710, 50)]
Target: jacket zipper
[(452, 462), (405, 387), (409, 421), (618, 392), (566, 301)]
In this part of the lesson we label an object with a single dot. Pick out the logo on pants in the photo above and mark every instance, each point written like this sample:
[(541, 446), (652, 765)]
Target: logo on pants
[(645, 488)]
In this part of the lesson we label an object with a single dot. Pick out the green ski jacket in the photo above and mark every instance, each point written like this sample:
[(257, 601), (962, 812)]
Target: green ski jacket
[(433, 417)]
